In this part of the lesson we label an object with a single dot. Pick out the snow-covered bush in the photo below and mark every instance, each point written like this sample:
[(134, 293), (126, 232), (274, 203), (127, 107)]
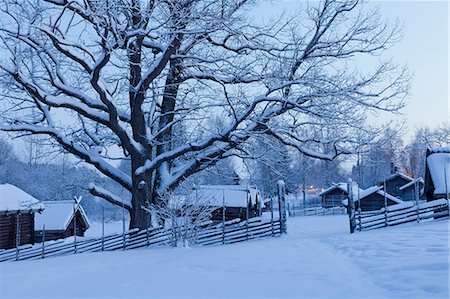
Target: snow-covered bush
[(186, 214)]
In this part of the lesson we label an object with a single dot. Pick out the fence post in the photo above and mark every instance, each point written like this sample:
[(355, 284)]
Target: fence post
[(246, 219), (223, 216), (103, 228), (416, 197), (446, 189), (123, 222), (315, 205), (332, 203), (43, 241), (359, 216), (385, 205), (75, 226), (359, 210), (17, 235), (271, 215), (351, 206), (293, 205), (304, 199), (282, 206)]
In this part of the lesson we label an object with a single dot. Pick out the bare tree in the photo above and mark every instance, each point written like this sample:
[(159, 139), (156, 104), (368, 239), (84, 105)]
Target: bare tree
[(414, 157), (6, 151), (146, 77), (379, 157)]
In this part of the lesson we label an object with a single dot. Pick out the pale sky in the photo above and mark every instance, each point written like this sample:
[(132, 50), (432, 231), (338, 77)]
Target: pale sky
[(424, 48)]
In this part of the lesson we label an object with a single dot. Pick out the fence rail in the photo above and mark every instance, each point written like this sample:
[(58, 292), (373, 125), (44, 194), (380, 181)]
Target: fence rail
[(402, 213), (317, 211), (224, 233), (208, 233)]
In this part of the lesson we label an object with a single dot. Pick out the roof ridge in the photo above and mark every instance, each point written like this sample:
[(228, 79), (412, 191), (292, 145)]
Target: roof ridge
[(58, 201)]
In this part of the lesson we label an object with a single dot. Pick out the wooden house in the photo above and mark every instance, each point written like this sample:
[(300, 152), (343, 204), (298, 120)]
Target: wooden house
[(335, 194), (58, 218), (238, 200), (409, 192), (372, 199), (394, 182), (437, 173), (17, 210)]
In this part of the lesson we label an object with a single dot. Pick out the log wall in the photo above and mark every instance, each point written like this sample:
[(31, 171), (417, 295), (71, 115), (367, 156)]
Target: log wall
[(8, 230)]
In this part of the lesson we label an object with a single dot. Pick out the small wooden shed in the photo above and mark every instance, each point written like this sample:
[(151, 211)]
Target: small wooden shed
[(335, 194), (17, 210), (409, 192), (394, 182), (237, 199), (58, 218), (372, 199), (437, 173)]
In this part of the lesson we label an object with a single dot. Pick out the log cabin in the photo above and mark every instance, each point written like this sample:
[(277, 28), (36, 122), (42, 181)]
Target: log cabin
[(437, 173), (335, 194), (236, 198), (409, 192), (59, 220), (17, 209), (372, 199), (394, 182)]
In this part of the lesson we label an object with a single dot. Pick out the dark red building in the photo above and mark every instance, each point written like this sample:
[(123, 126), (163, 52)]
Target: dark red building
[(17, 211), (59, 220)]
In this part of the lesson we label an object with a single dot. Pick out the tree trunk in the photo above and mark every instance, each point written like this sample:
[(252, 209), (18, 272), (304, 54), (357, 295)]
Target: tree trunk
[(141, 197)]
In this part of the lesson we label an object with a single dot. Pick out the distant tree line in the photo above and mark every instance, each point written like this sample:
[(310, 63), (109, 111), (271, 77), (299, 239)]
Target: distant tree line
[(51, 176), (389, 154)]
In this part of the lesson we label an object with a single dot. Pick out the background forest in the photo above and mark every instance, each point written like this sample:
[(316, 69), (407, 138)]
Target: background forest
[(39, 169)]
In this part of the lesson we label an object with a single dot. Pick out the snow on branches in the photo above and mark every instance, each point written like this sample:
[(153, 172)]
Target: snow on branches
[(150, 77)]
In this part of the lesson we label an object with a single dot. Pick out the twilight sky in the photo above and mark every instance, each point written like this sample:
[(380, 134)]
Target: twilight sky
[(424, 48)]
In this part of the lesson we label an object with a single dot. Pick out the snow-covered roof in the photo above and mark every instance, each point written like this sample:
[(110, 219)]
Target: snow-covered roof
[(394, 175), (439, 166), (58, 215), (343, 187), (440, 149), (419, 180), (371, 190), (13, 200), (234, 195)]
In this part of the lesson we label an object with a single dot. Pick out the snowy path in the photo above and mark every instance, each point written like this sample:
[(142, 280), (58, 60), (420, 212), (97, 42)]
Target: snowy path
[(317, 259)]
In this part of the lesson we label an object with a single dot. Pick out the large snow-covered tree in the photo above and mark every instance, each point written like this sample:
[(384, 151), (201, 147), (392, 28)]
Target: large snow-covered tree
[(147, 77)]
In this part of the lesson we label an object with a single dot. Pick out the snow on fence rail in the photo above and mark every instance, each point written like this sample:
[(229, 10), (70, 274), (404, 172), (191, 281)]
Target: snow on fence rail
[(207, 233), (224, 233), (316, 211), (402, 213)]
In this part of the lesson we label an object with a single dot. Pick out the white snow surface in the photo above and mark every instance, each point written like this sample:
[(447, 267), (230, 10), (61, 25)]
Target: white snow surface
[(439, 166), (234, 195), (14, 199), (57, 215), (317, 259)]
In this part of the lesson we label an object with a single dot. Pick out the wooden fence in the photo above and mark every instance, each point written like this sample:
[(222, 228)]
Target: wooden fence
[(316, 211), (209, 233), (224, 233), (401, 213)]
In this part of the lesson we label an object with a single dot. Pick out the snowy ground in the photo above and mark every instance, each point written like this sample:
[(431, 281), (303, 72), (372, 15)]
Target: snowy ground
[(317, 259)]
